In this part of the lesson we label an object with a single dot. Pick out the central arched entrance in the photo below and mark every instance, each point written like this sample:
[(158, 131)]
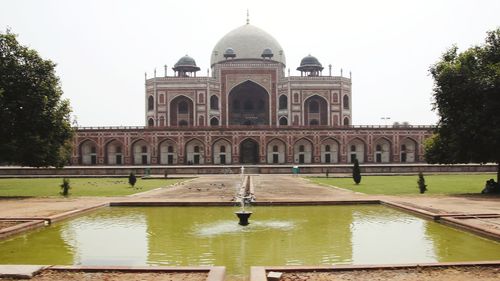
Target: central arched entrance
[(249, 152), (248, 105)]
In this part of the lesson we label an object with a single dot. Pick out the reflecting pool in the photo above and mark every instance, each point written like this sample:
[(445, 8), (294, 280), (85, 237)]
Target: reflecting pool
[(279, 235)]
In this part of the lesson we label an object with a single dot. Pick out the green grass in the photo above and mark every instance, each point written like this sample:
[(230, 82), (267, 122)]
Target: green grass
[(399, 185), (79, 186)]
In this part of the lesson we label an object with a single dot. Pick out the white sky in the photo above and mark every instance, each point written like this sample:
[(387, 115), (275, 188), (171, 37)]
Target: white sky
[(102, 48)]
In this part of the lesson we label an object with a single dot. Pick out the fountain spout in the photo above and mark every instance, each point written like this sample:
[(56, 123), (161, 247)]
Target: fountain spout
[(244, 195)]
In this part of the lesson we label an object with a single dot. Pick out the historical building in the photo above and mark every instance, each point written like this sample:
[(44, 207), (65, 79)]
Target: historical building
[(248, 110)]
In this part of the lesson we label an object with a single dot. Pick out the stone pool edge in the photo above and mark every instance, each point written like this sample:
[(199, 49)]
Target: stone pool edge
[(214, 273), (259, 273)]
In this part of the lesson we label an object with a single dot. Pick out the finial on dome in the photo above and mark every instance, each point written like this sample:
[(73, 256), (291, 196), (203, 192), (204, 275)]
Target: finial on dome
[(248, 17)]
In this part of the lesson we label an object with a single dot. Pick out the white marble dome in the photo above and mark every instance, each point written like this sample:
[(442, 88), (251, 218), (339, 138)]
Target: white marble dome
[(248, 42)]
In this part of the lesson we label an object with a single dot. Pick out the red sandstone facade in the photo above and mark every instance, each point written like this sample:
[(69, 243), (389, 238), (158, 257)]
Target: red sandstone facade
[(248, 112)]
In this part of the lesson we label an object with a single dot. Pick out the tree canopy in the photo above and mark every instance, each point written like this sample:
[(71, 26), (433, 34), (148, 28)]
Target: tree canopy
[(467, 99), (35, 127)]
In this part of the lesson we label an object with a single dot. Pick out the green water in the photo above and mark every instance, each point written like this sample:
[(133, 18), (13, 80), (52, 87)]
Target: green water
[(298, 235)]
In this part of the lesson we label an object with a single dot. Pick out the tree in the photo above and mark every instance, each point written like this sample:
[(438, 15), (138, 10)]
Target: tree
[(132, 179), (356, 172), (35, 127), (65, 187), (467, 99), (421, 183)]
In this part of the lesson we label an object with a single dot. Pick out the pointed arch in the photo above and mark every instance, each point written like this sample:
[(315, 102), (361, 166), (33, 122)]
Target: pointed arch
[(113, 152), (303, 151), (214, 102), (249, 151), (168, 150), (151, 103), (345, 102), (283, 121), (347, 121), (141, 152), (330, 150), (195, 152), (87, 150), (250, 102), (221, 151), (276, 151), (214, 121), (315, 110), (382, 150), (283, 102), (356, 150), (181, 111), (408, 150)]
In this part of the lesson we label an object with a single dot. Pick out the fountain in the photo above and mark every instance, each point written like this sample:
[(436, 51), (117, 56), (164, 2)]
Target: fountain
[(244, 195)]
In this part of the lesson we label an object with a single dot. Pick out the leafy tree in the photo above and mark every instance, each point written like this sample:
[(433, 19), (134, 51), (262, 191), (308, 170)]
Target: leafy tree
[(35, 127), (356, 172), (421, 183), (467, 99), (132, 179)]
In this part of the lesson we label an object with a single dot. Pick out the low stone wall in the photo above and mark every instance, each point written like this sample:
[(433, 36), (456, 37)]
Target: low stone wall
[(119, 171)]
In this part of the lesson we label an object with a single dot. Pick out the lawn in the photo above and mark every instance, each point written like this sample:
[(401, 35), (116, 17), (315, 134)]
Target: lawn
[(394, 185), (79, 186)]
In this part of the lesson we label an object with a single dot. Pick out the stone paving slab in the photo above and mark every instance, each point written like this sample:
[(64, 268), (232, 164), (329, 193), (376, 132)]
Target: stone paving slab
[(20, 271)]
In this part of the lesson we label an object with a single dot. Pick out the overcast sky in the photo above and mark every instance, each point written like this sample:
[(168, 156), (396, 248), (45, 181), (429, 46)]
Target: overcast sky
[(102, 48)]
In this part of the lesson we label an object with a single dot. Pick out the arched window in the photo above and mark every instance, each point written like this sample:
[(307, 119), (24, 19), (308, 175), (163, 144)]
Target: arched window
[(275, 148), (346, 121), (196, 149), (162, 98), (296, 120), (283, 102), (345, 101), (301, 148), (144, 149), (222, 148), (151, 103), (151, 122), (296, 98), (162, 121), (353, 148), (327, 148), (170, 149), (214, 102), (183, 107), (201, 120), (314, 122), (403, 147), (335, 98), (379, 147), (214, 121), (313, 106), (283, 121), (200, 98)]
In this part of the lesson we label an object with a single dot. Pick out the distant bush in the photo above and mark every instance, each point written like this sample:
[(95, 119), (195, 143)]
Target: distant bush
[(356, 172), (421, 183), (65, 187), (132, 179)]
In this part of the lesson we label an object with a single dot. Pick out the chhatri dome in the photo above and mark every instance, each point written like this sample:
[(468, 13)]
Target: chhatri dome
[(248, 42)]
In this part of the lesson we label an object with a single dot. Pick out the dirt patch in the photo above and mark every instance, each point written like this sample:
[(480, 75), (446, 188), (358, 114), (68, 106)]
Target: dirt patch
[(411, 274), (50, 275), (5, 224)]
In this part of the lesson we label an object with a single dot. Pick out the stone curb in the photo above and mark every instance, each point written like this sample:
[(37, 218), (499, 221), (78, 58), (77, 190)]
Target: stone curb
[(258, 273)]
